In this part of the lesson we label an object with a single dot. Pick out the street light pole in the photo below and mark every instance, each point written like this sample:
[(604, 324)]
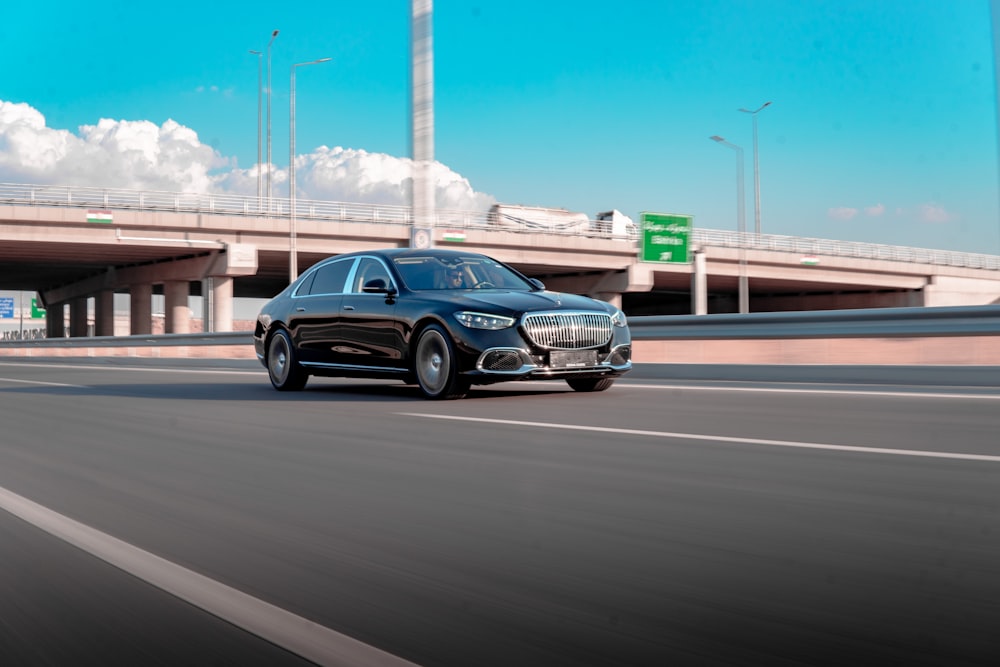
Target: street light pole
[(273, 35), (260, 93), (422, 122), (741, 227), (293, 255), (756, 168)]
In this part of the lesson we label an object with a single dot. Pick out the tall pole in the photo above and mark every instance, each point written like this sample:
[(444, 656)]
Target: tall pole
[(995, 16), (741, 225), (756, 168), (260, 94), (273, 35), (422, 123), (293, 254)]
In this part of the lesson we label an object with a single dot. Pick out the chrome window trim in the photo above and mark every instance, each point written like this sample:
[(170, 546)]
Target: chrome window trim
[(317, 267), (354, 272)]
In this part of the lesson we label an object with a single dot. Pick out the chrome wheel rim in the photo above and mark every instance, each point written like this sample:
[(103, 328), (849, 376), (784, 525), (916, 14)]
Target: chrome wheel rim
[(279, 359), (433, 364)]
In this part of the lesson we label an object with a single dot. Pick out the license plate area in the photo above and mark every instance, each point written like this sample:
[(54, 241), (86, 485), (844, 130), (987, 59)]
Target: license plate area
[(572, 358)]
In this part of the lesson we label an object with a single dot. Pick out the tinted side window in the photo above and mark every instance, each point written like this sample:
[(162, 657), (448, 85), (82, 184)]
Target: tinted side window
[(330, 278), (368, 269), (305, 285)]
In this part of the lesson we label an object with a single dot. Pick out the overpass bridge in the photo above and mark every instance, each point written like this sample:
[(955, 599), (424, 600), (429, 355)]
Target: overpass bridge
[(74, 244)]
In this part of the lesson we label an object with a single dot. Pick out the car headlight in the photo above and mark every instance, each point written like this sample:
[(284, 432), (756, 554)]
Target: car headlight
[(483, 320), (618, 318)]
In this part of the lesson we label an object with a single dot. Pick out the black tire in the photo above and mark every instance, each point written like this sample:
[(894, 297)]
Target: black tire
[(590, 384), (435, 367), (282, 367)]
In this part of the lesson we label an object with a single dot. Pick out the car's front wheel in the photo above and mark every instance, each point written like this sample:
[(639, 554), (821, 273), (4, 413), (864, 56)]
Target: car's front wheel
[(435, 366), (590, 384), (282, 367)]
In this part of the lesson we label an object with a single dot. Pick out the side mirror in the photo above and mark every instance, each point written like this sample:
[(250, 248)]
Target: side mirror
[(537, 283), (378, 286)]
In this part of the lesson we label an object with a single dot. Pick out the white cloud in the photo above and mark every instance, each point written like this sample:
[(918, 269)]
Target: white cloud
[(842, 213), (928, 213), (934, 213), (117, 154), (344, 174), (143, 156)]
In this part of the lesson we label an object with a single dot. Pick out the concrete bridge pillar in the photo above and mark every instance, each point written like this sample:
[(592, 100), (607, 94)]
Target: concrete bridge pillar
[(216, 269), (104, 313), (699, 284), (78, 317), (615, 298), (222, 303), (55, 320), (177, 313), (141, 309)]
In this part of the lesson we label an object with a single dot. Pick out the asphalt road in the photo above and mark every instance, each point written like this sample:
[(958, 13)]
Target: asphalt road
[(685, 517)]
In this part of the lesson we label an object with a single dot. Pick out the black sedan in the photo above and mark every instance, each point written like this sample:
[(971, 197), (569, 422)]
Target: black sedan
[(441, 319)]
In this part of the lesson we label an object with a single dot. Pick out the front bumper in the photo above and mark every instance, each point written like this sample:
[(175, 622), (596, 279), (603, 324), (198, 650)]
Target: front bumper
[(501, 364)]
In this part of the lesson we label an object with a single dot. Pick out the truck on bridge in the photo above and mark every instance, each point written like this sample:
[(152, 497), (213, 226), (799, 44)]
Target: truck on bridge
[(516, 216)]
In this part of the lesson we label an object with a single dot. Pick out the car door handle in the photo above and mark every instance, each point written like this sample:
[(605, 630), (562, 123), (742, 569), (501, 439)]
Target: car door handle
[(348, 307), (300, 309)]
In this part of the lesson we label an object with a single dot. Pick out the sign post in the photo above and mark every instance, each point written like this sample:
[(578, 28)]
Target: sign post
[(666, 238)]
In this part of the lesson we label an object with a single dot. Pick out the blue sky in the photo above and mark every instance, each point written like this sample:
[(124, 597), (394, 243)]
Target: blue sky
[(882, 127)]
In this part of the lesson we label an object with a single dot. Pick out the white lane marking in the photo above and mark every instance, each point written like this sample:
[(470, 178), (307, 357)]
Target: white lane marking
[(47, 384), (82, 367), (816, 390), (717, 438), (547, 384), (918, 393), (283, 628)]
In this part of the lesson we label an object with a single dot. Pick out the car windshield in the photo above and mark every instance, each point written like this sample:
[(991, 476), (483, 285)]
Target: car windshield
[(432, 272)]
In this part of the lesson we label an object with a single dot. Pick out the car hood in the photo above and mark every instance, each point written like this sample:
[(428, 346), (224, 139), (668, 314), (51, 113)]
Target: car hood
[(498, 302)]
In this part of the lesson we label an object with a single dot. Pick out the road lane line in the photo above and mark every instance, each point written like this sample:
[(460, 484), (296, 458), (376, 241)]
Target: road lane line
[(274, 624), (918, 392), (46, 384), (717, 438), (141, 369), (817, 390)]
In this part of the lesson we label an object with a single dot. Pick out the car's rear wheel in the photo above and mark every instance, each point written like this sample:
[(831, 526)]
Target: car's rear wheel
[(590, 384), (435, 367), (282, 367)]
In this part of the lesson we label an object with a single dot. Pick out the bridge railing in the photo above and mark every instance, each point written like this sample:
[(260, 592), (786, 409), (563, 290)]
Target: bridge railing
[(953, 321), (458, 220), (809, 246)]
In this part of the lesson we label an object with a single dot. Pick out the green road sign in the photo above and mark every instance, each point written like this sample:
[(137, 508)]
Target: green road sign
[(665, 238), (36, 312)]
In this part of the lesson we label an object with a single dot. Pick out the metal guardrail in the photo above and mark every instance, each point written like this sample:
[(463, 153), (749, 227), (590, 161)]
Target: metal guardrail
[(307, 209), (158, 340), (861, 323)]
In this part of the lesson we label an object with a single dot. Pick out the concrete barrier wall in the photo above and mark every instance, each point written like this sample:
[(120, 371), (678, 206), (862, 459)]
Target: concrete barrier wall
[(909, 351), (951, 351), (893, 336)]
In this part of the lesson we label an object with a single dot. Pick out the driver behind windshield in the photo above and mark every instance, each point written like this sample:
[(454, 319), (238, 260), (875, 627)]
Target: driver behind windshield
[(456, 278)]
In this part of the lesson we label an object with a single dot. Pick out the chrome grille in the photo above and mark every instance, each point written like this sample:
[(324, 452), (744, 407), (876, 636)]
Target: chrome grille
[(568, 331)]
